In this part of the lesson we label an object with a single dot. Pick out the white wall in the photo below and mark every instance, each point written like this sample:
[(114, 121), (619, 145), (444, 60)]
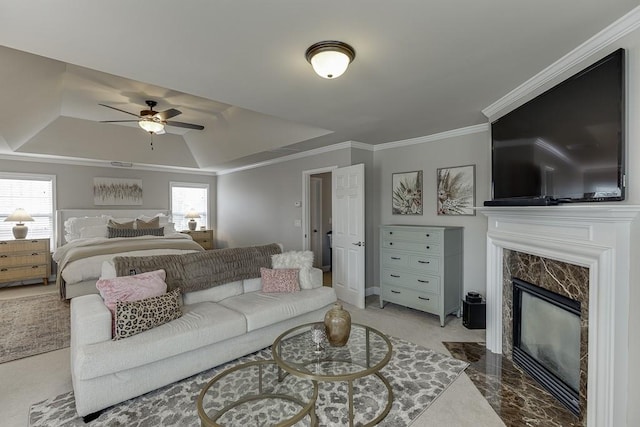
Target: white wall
[(472, 149)]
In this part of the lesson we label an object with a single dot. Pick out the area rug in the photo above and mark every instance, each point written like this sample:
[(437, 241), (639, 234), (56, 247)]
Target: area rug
[(417, 375), (33, 325)]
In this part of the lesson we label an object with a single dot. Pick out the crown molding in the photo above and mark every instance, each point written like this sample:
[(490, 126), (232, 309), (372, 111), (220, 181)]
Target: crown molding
[(614, 32), (102, 164), (433, 138)]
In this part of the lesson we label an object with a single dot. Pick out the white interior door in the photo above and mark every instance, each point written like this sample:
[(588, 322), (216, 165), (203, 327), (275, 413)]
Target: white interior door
[(348, 234), (316, 220)]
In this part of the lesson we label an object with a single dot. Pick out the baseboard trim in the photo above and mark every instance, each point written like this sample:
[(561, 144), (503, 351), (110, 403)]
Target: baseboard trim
[(373, 290), (325, 268)]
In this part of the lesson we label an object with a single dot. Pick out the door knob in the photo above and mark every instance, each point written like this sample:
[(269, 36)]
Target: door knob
[(358, 244)]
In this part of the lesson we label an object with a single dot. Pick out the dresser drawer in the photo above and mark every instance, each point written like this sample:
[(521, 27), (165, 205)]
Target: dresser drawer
[(410, 280), (418, 235), (24, 258), (395, 259), (423, 301), (427, 248), (24, 245), (8, 274)]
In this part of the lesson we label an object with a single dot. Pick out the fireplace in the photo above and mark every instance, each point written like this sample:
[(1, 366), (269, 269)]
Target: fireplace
[(597, 238), (546, 340)]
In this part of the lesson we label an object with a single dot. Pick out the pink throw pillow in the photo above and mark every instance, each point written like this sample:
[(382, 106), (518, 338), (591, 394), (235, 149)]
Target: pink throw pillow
[(279, 280), (131, 288)]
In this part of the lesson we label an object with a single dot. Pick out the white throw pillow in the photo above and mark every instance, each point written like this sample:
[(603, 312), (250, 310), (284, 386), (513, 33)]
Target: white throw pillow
[(93, 231), (296, 259), (74, 226)]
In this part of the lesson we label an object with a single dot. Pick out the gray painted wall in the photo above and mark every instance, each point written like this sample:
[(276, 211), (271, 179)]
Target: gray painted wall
[(74, 184), (473, 149), (257, 206)]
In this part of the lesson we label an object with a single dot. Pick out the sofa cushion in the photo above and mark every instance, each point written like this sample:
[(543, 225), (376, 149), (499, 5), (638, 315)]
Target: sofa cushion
[(302, 260), (280, 280), (200, 325), (264, 309), (134, 317), (131, 288), (215, 294)]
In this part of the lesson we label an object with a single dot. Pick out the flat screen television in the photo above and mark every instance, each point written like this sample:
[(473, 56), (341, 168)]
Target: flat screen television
[(566, 145)]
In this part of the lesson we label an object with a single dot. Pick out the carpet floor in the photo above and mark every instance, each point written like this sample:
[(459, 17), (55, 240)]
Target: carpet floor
[(32, 325), (417, 375)]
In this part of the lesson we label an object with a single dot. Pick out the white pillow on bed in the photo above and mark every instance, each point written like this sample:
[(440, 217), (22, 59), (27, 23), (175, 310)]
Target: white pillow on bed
[(73, 226), (164, 220), (94, 231)]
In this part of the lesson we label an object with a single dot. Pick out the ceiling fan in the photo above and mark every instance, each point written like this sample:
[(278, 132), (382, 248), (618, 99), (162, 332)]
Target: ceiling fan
[(153, 121)]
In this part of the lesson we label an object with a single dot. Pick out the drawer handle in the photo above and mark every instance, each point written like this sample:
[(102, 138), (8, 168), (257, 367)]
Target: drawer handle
[(3, 243), (423, 281), (395, 292), (34, 241), (423, 298), (428, 235), (391, 232), (395, 257), (428, 247), (35, 266), (4, 269), (3, 256), (35, 253), (395, 275), (423, 262), (390, 243)]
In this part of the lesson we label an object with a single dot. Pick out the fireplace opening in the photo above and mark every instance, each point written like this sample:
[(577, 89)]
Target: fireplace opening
[(546, 340)]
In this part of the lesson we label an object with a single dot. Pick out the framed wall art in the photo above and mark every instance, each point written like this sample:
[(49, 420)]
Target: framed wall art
[(457, 190), (117, 191), (407, 193)]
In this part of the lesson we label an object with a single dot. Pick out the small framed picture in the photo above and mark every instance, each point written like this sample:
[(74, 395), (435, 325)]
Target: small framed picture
[(457, 190), (406, 196)]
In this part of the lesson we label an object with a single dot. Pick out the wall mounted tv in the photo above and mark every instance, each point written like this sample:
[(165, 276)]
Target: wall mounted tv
[(566, 145)]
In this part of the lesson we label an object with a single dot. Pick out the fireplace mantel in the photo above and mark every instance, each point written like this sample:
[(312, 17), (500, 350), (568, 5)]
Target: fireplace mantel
[(594, 236)]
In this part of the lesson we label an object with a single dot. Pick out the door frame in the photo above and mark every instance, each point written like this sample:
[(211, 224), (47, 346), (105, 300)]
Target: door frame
[(306, 204)]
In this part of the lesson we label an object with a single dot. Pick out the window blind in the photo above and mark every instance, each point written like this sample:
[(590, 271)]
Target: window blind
[(34, 194), (187, 196)]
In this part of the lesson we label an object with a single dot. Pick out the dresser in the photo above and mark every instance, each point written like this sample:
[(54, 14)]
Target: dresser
[(421, 268), (25, 259), (202, 237)]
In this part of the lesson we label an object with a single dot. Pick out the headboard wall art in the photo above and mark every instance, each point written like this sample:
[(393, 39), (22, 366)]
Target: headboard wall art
[(63, 214)]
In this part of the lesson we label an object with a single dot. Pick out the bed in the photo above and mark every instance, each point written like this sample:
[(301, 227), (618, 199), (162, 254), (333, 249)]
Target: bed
[(83, 245)]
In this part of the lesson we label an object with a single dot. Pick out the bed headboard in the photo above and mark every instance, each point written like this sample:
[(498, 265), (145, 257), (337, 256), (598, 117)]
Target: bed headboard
[(63, 214)]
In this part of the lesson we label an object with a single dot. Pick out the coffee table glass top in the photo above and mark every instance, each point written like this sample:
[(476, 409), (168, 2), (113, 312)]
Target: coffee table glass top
[(366, 352), (256, 394)]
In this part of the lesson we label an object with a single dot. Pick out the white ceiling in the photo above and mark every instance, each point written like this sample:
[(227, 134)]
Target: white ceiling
[(238, 68)]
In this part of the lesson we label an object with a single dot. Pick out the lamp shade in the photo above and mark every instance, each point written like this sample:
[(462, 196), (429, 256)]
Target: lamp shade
[(192, 214), (330, 59), (19, 215), (151, 125)]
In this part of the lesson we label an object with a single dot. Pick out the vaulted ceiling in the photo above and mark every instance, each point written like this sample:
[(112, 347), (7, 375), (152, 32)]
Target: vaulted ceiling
[(238, 68)]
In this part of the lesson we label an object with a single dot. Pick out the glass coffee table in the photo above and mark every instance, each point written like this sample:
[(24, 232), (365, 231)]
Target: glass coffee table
[(256, 394), (366, 353)]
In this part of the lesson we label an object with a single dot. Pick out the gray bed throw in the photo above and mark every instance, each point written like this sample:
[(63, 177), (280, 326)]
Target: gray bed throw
[(201, 270)]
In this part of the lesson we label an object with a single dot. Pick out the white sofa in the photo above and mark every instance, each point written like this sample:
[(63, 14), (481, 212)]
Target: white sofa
[(218, 325)]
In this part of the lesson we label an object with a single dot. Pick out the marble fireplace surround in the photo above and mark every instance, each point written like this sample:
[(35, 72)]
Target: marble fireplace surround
[(593, 236)]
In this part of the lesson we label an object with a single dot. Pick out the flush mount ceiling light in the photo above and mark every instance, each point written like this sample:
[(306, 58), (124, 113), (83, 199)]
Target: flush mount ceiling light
[(330, 58)]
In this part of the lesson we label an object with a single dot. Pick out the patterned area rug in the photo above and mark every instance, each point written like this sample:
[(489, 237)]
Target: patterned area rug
[(33, 325), (417, 375)]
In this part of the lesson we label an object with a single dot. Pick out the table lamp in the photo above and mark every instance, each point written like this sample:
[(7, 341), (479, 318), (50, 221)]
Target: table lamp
[(192, 222), (19, 230)]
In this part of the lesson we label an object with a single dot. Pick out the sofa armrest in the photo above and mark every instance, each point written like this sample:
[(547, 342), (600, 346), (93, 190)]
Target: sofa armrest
[(316, 277), (90, 321)]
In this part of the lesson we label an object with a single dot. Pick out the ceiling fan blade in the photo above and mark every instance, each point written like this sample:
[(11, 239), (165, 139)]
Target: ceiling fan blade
[(117, 109), (184, 125), (119, 121), (167, 114)]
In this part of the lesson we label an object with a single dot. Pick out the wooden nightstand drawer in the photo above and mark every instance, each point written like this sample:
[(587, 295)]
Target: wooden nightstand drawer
[(24, 245), (8, 274), (14, 260), (202, 237)]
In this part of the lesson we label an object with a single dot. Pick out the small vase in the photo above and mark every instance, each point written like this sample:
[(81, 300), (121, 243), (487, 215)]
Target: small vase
[(337, 323)]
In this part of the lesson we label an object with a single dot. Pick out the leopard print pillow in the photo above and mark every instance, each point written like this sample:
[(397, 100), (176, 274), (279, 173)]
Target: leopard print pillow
[(133, 317)]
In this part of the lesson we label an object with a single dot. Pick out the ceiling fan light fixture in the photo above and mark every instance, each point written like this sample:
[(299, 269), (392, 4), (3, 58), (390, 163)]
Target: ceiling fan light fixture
[(151, 125), (330, 58)]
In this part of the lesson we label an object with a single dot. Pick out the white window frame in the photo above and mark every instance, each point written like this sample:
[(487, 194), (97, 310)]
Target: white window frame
[(40, 177), (200, 185)]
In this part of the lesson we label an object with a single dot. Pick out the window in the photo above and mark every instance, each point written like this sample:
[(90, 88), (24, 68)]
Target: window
[(34, 194), (186, 196)]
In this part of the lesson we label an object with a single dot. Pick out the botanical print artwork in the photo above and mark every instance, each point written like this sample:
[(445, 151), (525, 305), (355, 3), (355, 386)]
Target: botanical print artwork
[(407, 193), (456, 190), (117, 191)]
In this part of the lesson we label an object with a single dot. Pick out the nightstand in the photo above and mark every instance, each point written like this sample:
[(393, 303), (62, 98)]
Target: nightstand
[(25, 259), (202, 237)]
